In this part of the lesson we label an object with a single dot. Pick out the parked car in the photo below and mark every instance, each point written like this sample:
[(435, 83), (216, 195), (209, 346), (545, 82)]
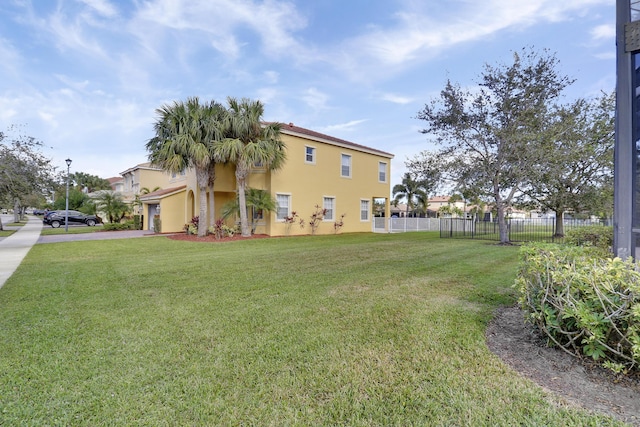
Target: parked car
[(38, 211), (5, 211), (56, 218)]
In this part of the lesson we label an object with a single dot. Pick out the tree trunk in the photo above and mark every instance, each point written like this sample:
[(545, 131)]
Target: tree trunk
[(559, 224), (202, 176), (502, 225), (16, 210), (212, 202), (241, 177), (212, 207)]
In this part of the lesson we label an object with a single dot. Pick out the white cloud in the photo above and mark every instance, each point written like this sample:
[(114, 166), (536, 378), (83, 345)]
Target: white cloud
[(603, 32), (103, 7), (419, 33), (396, 99), (344, 126), (271, 76), (315, 99), (76, 85), (70, 35), (606, 55), (11, 58), (223, 21), (267, 95)]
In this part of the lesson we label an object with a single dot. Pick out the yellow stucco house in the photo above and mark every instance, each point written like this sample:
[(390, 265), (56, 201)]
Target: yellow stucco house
[(337, 175)]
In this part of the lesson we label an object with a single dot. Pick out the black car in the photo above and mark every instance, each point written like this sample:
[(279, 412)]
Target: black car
[(56, 218)]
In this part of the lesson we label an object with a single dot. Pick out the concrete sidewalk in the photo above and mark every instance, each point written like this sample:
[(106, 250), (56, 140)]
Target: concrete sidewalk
[(14, 248)]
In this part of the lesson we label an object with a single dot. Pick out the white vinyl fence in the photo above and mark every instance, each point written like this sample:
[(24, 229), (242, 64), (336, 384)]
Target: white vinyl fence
[(403, 225)]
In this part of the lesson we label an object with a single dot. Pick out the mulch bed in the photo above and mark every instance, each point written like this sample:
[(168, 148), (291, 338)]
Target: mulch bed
[(577, 381)]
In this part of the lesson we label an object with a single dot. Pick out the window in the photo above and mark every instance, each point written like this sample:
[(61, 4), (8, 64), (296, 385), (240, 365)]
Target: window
[(328, 204), (364, 210), (346, 166), (382, 172), (284, 205), (309, 154)]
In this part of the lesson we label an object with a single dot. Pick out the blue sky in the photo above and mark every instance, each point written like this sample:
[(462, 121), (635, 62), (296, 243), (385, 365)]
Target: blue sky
[(85, 76)]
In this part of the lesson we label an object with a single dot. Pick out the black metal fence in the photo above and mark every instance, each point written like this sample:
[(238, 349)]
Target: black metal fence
[(520, 230)]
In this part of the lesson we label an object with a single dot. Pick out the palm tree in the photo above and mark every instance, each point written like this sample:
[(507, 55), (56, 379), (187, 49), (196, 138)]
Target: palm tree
[(257, 200), (411, 190), (186, 134), (249, 142), (112, 204)]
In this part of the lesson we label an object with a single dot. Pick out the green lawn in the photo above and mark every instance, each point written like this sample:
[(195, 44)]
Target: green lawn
[(353, 330), (47, 230)]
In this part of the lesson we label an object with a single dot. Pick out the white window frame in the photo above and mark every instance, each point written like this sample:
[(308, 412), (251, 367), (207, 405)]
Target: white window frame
[(344, 156), (331, 209), (288, 196), (313, 154), (368, 210), (381, 166)]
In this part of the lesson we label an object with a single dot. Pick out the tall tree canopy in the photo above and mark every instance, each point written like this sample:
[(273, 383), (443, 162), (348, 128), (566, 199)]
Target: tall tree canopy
[(25, 173), (249, 142), (491, 135), (577, 172), (89, 183), (186, 134)]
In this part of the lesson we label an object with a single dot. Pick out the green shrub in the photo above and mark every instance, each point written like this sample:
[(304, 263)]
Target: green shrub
[(597, 236), (157, 224), (118, 226), (137, 222), (584, 303)]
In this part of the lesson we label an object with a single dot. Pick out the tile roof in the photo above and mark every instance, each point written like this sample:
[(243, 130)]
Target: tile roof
[(291, 129), (162, 192)]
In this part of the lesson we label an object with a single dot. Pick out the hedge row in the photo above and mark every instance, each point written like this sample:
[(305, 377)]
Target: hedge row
[(583, 302)]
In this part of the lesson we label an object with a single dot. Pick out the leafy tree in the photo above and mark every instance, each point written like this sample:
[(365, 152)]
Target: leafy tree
[(24, 171), (578, 173), (78, 200), (112, 204), (491, 135), (258, 202), (249, 142), (186, 134), (427, 167), (413, 191), (89, 182)]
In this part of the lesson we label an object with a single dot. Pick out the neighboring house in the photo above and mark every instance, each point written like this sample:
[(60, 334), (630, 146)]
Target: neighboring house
[(320, 170), (145, 178), (117, 184), (400, 211), (437, 202)]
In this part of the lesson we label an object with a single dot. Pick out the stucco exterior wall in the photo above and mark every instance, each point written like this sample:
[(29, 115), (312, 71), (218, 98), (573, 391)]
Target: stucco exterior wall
[(306, 183), (309, 183)]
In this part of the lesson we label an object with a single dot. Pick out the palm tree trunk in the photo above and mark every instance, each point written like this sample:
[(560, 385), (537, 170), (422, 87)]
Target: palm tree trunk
[(241, 177), (202, 176), (212, 202)]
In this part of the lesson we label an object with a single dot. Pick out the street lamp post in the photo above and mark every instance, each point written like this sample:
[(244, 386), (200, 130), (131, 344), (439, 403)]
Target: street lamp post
[(66, 211)]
